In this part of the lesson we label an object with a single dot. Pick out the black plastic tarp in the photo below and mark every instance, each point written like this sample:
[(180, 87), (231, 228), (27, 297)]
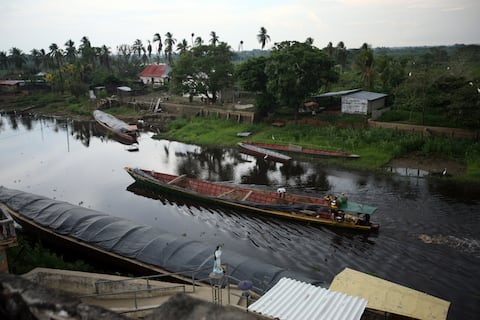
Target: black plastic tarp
[(144, 243)]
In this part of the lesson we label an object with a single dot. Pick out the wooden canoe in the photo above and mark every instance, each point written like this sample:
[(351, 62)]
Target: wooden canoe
[(122, 131), (300, 149), (267, 154), (283, 205)]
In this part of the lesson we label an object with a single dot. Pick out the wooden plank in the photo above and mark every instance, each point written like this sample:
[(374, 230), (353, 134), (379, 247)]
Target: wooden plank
[(177, 179)]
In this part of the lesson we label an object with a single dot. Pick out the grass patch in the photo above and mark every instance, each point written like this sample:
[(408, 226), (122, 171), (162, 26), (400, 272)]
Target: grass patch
[(376, 146)]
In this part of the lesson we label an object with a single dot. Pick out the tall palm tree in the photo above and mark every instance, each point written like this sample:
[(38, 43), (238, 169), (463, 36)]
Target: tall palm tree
[(86, 50), (364, 62), (263, 37), (214, 38), (56, 54), (104, 56), (37, 58), (70, 51), (240, 46), (169, 43), (330, 49), (149, 49), (198, 41), (157, 37), (309, 41), (341, 54), (17, 57), (3, 60), (193, 35), (138, 47), (182, 47)]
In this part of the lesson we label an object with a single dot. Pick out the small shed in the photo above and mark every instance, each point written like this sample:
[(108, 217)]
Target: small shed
[(155, 74), (363, 102)]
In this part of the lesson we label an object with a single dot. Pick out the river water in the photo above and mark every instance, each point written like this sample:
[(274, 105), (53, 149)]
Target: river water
[(430, 229)]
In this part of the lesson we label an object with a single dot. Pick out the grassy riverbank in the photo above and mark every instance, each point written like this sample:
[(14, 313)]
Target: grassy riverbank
[(376, 147)]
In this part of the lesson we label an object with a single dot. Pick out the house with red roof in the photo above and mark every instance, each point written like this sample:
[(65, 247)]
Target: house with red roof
[(155, 74)]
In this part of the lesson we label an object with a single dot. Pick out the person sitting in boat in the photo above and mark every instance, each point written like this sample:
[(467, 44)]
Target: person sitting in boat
[(281, 192), (334, 204)]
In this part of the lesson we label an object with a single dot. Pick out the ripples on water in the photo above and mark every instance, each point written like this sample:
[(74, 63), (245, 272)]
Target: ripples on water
[(430, 229)]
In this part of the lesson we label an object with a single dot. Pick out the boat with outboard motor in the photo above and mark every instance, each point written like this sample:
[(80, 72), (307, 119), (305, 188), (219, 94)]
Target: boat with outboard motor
[(330, 211)]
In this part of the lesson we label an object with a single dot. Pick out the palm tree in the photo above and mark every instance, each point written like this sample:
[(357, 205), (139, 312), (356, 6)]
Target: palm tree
[(17, 57), (341, 54), (169, 43), (149, 49), (364, 62), (71, 51), (86, 50), (37, 58), (3, 60), (214, 38), (263, 37), (330, 49), (198, 41), (240, 46), (104, 56), (309, 41), (182, 47), (157, 37), (138, 47), (56, 54), (193, 35)]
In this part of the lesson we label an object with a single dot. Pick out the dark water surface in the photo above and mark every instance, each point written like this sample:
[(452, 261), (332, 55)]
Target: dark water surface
[(430, 229)]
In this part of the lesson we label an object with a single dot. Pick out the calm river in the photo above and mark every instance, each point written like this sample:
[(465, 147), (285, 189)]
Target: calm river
[(430, 230)]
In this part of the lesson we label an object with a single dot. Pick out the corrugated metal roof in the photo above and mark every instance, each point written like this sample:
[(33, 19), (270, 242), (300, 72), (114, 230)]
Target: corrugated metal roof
[(336, 93), (155, 70), (366, 95), (390, 297), (297, 300)]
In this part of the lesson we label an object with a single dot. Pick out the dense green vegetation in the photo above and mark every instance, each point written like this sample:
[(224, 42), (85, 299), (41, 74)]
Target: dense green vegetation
[(376, 147), (30, 254)]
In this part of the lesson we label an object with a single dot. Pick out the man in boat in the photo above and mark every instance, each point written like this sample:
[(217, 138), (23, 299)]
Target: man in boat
[(281, 192)]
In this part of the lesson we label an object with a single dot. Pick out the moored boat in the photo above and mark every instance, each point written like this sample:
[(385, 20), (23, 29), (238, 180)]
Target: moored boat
[(125, 245), (335, 212), (122, 131), (264, 153), (300, 149)]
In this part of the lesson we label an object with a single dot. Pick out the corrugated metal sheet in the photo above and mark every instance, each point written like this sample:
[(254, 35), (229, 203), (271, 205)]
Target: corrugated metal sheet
[(336, 93), (390, 297), (366, 95), (295, 300)]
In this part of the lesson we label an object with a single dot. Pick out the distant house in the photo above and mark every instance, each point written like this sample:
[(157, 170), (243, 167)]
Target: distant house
[(360, 102), (11, 85), (155, 74)]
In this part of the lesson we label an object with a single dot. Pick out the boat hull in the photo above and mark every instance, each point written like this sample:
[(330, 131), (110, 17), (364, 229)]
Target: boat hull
[(264, 153), (318, 212), (300, 149), (119, 130)]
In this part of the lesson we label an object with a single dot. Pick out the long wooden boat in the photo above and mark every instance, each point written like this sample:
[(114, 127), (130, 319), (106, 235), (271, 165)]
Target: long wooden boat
[(300, 149), (325, 211), (262, 152), (124, 132), (123, 245)]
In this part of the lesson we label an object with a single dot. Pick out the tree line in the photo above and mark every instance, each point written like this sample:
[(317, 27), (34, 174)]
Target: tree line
[(427, 85)]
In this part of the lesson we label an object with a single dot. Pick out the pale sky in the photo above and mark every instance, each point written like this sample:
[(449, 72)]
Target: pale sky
[(29, 24)]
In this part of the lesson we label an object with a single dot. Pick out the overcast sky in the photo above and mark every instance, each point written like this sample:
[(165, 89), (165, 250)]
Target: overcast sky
[(29, 24)]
